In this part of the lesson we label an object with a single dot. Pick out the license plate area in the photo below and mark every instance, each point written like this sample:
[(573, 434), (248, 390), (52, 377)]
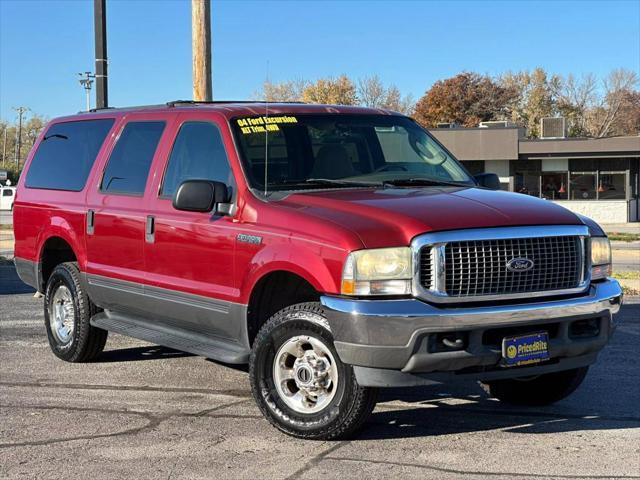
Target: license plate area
[(525, 349)]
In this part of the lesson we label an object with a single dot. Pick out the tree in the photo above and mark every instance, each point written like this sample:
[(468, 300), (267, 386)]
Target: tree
[(31, 128), (466, 99), (338, 91), (618, 101), (290, 91), (627, 121), (574, 99), (533, 97), (372, 93)]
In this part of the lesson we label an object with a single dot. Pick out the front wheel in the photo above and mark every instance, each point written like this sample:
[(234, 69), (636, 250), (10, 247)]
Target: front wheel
[(298, 380), (539, 390)]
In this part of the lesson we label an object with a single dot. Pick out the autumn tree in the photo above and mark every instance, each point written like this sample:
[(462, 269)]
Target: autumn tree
[(466, 99), (337, 91), (619, 100), (533, 97), (31, 128), (372, 93), (289, 91), (575, 98)]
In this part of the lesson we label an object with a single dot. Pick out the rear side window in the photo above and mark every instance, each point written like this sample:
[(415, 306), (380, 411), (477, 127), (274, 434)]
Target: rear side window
[(66, 154), (198, 154), (129, 163)]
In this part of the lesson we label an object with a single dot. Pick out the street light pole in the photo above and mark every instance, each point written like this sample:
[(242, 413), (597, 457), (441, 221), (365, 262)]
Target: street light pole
[(100, 32), (86, 82)]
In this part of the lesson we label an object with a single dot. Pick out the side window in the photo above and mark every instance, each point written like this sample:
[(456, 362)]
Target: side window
[(129, 163), (7, 193), (198, 154), (66, 154)]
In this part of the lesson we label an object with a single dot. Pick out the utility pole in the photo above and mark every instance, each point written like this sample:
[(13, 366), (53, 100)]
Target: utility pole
[(21, 111), (86, 80), (201, 46), (4, 145), (100, 31)]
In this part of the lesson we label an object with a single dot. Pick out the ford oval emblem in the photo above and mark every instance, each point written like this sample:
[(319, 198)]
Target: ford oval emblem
[(519, 265)]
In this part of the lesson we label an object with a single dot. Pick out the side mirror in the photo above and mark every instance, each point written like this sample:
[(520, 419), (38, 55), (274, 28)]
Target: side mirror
[(488, 180), (200, 195)]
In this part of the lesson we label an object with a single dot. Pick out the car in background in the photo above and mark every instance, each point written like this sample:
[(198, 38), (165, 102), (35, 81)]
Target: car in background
[(7, 197)]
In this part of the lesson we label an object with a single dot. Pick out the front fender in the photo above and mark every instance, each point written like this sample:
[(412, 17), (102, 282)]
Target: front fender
[(320, 266)]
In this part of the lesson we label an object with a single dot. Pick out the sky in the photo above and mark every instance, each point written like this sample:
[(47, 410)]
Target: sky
[(412, 44)]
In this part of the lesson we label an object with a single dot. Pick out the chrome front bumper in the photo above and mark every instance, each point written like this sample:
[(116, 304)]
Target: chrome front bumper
[(394, 334)]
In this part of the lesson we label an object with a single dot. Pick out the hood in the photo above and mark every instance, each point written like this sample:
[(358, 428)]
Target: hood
[(393, 216)]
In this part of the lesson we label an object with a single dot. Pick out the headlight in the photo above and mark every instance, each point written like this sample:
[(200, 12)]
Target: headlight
[(381, 271), (600, 258)]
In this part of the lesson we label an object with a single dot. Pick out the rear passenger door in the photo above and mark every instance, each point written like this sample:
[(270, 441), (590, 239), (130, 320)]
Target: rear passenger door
[(117, 219), (190, 257)]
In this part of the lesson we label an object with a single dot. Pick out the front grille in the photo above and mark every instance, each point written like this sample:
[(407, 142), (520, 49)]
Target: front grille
[(479, 267), (426, 268)]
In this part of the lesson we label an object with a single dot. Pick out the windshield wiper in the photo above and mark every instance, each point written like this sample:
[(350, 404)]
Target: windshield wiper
[(337, 181), (401, 182), (326, 181)]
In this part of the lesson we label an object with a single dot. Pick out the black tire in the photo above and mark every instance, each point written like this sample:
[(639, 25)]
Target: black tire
[(86, 342), (351, 404), (537, 391)]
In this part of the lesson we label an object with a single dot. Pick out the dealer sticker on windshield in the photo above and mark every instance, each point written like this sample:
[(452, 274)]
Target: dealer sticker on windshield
[(264, 124), (525, 349)]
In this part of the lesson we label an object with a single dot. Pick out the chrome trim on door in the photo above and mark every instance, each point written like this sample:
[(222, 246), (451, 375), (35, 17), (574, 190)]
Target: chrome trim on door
[(438, 241)]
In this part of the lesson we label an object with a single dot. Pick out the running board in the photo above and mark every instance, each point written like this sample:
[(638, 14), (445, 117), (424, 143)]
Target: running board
[(172, 337)]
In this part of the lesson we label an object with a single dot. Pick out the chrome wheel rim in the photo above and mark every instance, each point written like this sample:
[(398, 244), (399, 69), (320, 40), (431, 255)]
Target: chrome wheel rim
[(305, 374), (62, 315)]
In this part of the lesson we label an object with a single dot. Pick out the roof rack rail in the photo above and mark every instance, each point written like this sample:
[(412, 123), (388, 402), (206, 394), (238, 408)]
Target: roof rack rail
[(216, 102)]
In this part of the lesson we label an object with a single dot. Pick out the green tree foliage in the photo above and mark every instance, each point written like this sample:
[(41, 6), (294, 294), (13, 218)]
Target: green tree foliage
[(466, 99)]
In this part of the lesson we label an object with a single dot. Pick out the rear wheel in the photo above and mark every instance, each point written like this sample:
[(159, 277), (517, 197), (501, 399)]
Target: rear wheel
[(539, 390), (67, 311), (298, 380)]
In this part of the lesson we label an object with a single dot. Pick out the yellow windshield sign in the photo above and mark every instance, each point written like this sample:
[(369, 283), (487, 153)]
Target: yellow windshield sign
[(264, 124)]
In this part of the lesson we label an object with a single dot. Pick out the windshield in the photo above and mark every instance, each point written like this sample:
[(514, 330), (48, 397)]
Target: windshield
[(334, 151)]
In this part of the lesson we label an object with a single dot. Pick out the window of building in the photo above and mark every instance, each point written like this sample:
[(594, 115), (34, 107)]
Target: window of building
[(583, 186), (66, 154), (555, 185), (198, 154), (611, 186), (129, 163)]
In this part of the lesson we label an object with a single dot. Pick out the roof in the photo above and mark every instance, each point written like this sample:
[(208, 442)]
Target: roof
[(509, 144), (233, 109), (627, 146)]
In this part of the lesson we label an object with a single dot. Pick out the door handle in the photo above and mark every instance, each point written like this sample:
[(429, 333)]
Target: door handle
[(91, 218), (150, 229)]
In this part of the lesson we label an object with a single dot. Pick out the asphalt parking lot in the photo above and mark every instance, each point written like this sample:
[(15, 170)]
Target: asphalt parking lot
[(143, 411)]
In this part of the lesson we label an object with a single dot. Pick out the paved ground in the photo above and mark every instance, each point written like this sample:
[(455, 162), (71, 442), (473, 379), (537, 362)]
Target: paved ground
[(6, 217), (147, 412)]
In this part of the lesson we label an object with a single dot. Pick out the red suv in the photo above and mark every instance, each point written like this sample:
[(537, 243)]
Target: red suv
[(333, 249)]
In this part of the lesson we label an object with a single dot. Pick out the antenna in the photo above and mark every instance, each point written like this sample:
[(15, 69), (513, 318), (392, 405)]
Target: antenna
[(266, 135)]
